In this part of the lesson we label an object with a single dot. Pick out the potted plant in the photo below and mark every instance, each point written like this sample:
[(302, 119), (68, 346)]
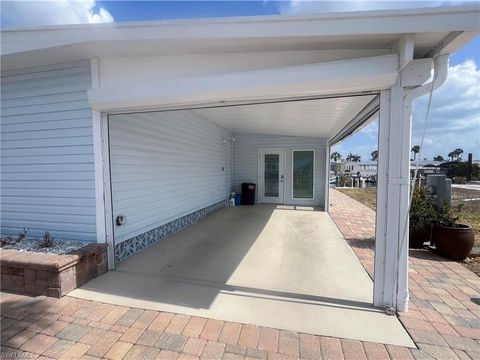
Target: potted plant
[(452, 240), (422, 217)]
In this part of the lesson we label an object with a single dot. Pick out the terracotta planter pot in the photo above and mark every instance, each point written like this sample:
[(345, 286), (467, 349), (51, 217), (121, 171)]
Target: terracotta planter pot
[(453, 243), (417, 238)]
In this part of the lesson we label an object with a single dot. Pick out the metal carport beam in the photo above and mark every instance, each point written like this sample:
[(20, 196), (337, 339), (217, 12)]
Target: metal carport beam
[(357, 122), (342, 78)]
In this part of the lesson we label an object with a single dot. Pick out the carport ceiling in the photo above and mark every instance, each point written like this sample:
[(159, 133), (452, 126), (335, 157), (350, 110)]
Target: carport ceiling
[(313, 118)]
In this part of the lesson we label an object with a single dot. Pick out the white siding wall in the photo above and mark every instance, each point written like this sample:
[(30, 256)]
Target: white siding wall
[(47, 176), (165, 165), (245, 151)]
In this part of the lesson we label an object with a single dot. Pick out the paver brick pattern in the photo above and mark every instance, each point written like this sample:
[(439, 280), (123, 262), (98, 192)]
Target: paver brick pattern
[(444, 311), (444, 319)]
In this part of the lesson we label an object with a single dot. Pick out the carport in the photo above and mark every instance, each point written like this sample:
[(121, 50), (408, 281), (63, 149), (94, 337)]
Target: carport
[(246, 264), (259, 86)]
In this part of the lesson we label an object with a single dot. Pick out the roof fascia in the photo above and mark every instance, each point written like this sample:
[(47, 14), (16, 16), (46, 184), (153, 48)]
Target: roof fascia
[(363, 23)]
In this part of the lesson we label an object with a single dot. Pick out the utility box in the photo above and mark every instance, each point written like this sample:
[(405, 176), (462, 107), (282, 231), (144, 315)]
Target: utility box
[(441, 188)]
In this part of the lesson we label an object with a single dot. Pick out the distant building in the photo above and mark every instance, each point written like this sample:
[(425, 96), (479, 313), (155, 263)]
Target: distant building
[(368, 169), (425, 167)]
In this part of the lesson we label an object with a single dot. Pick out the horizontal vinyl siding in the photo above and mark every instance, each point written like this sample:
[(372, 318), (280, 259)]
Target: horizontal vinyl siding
[(245, 151), (165, 165), (47, 172)]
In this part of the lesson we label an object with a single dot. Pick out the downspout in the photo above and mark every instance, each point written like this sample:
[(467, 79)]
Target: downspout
[(439, 77)]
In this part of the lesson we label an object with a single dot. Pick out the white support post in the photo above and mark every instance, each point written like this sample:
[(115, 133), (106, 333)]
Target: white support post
[(393, 187), (327, 177), (381, 210), (391, 239), (98, 166), (405, 47), (102, 173), (404, 206), (97, 159)]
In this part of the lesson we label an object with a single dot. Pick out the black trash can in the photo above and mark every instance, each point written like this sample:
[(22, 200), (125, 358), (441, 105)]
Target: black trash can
[(248, 193)]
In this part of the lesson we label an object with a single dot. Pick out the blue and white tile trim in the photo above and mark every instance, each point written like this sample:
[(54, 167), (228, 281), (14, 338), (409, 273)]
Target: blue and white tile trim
[(134, 245)]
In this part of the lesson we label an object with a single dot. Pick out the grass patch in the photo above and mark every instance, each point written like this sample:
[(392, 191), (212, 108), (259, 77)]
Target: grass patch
[(366, 196), (469, 214), (461, 194)]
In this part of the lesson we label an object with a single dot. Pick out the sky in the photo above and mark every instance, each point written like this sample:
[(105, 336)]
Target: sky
[(455, 114)]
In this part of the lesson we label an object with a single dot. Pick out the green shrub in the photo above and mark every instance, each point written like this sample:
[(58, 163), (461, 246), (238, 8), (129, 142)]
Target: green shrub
[(344, 180), (445, 216), (422, 210)]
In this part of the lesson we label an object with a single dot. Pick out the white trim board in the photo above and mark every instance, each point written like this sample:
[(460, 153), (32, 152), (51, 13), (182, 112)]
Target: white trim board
[(109, 226), (98, 159), (335, 77)]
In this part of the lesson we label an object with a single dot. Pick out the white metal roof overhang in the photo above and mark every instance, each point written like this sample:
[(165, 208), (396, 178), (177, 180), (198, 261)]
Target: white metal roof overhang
[(319, 118), (329, 98), (316, 100), (350, 30)]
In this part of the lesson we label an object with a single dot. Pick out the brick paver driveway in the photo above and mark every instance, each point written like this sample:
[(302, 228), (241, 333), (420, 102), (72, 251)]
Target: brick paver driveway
[(444, 320), (444, 315)]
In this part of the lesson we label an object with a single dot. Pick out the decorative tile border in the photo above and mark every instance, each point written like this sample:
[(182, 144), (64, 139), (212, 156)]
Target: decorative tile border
[(134, 245)]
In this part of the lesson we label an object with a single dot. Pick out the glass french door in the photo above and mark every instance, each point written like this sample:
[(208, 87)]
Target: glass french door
[(271, 163)]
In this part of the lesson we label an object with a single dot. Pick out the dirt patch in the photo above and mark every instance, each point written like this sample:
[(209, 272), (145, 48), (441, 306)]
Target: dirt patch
[(472, 264), (468, 212), (462, 194)]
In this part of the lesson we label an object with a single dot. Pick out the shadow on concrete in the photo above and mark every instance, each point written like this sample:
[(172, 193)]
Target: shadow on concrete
[(292, 261), (209, 250)]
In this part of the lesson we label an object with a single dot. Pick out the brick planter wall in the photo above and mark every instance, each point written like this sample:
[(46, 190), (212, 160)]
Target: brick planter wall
[(51, 275)]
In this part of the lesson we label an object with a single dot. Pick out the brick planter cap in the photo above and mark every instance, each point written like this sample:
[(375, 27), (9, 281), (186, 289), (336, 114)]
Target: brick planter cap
[(37, 260)]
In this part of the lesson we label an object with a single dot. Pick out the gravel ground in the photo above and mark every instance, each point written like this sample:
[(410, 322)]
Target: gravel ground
[(58, 248)]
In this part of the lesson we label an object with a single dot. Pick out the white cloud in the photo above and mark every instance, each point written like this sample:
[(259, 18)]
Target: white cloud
[(455, 115), (321, 6), (59, 12), (454, 118), (371, 129)]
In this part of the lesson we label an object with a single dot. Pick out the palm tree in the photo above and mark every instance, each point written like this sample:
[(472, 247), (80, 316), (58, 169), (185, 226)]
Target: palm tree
[(353, 158), (455, 154), (458, 152), (415, 150), (374, 154), (335, 156), (438, 158)]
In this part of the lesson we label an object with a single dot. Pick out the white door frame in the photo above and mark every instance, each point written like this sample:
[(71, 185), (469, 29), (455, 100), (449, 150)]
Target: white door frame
[(281, 176), (109, 223)]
